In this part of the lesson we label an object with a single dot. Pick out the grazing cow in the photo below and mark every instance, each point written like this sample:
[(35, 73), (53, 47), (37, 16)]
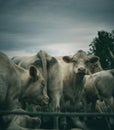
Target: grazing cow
[(18, 84), (74, 69)]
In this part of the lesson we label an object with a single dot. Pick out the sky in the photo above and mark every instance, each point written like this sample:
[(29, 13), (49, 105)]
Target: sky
[(60, 27)]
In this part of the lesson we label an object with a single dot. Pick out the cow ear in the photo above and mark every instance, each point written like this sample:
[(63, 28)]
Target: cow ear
[(67, 59), (33, 72), (94, 59)]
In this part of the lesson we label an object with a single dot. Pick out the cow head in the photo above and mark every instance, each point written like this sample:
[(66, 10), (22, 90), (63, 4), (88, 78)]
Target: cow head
[(94, 64), (79, 62), (83, 64), (35, 91)]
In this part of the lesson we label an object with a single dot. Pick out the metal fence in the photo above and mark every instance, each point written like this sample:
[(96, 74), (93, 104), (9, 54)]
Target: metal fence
[(60, 114), (57, 114)]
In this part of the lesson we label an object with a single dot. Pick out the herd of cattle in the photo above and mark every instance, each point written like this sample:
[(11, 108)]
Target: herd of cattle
[(74, 83)]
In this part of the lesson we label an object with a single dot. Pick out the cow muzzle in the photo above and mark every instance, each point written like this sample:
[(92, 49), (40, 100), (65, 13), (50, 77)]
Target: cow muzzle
[(80, 70)]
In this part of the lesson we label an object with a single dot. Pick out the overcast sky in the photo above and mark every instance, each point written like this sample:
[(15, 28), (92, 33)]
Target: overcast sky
[(59, 27)]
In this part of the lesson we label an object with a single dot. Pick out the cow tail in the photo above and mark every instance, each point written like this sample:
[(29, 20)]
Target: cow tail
[(43, 56)]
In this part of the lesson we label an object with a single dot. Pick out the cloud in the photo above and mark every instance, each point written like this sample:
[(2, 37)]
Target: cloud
[(58, 26)]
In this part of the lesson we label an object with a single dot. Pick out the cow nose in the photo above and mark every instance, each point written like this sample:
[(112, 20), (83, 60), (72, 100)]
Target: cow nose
[(81, 70)]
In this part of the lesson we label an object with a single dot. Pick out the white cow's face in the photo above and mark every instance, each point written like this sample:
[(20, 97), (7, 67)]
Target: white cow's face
[(35, 92), (79, 65), (94, 64), (83, 64)]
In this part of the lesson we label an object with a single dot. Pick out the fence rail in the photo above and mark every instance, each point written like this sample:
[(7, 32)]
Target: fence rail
[(60, 114)]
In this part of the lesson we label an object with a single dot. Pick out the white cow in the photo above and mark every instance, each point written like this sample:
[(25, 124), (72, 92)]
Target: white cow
[(100, 86), (99, 94), (73, 70), (18, 84), (50, 71)]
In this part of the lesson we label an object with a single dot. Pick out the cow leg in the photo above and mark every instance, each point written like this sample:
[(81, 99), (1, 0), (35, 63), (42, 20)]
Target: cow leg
[(56, 109)]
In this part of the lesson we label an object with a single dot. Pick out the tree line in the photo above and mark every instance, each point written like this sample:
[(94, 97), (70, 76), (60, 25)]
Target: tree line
[(103, 46)]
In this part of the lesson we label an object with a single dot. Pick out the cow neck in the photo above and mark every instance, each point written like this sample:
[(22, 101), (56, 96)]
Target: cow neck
[(23, 76), (78, 78), (77, 86)]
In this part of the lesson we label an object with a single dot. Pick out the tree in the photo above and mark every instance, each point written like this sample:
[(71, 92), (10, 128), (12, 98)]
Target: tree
[(103, 46)]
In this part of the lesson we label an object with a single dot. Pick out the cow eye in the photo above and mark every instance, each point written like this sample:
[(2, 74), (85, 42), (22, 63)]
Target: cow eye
[(74, 61), (95, 65)]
